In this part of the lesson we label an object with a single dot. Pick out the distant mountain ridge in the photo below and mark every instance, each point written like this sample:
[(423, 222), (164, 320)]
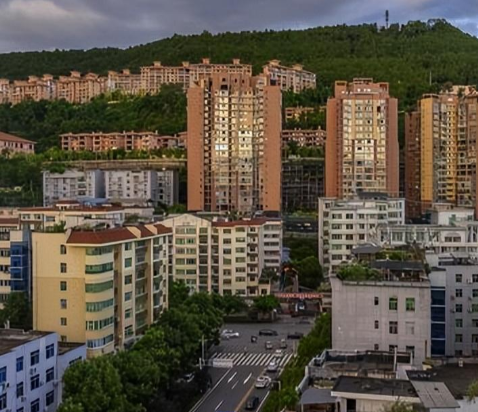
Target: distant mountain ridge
[(405, 55)]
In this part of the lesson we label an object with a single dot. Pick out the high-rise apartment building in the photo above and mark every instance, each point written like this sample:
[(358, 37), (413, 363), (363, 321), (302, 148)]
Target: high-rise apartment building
[(226, 257), (441, 151), (100, 286), (361, 152), (294, 78), (234, 144)]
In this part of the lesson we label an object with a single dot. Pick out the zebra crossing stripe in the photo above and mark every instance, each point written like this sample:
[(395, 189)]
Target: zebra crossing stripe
[(253, 358), (236, 357), (263, 359)]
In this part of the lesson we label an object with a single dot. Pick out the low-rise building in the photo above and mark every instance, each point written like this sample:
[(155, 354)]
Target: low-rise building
[(14, 144), (389, 311), (304, 137), (32, 365), (344, 224), (226, 257), (102, 287)]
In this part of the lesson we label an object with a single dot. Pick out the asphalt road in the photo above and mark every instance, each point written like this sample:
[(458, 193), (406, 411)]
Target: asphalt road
[(232, 387)]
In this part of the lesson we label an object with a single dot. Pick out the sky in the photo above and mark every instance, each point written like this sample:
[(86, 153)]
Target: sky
[(82, 24)]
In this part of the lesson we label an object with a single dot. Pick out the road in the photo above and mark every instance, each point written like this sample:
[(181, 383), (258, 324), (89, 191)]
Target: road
[(232, 387)]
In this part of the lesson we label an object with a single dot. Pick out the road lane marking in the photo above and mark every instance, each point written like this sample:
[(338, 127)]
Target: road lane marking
[(263, 400), (247, 379), (243, 400), (204, 398), (220, 403), (232, 377), (233, 386)]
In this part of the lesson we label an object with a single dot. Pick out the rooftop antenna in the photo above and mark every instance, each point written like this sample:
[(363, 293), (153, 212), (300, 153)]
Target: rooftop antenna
[(386, 19)]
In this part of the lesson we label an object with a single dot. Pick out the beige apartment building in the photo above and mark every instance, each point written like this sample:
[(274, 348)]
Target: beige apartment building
[(100, 286), (234, 144), (361, 152), (304, 137), (80, 89), (125, 82), (294, 78), (14, 144), (34, 88), (441, 157), (295, 113), (8, 225), (226, 257), (103, 142)]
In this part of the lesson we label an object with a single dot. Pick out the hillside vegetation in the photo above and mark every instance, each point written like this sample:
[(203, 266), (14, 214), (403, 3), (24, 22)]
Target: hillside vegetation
[(404, 55)]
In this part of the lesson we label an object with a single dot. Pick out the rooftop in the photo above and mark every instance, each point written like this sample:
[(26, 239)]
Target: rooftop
[(11, 138), (314, 396), (456, 378), (65, 347), (12, 338), (374, 386), (9, 221), (434, 395), (398, 265)]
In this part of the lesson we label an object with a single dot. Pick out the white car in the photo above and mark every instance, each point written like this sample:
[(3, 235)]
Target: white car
[(227, 334), (273, 366), (263, 382), (279, 353)]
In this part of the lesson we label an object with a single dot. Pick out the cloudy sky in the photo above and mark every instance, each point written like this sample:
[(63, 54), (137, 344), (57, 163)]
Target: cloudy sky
[(64, 24)]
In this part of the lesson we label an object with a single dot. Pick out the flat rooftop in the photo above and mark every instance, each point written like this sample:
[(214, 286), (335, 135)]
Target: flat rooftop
[(374, 386), (65, 347), (12, 338), (455, 378)]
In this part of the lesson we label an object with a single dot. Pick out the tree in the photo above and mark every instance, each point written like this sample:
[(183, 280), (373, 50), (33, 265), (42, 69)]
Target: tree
[(70, 406), (472, 391), (358, 272), (178, 293), (310, 272), (265, 304), (17, 311), (96, 386), (232, 304)]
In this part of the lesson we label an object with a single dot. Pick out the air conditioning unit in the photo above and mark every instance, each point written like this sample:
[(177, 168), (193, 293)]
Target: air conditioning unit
[(33, 371), (42, 383), (452, 310), (470, 281), (55, 383)]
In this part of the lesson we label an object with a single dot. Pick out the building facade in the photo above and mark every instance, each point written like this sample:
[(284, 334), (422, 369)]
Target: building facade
[(102, 287), (388, 314), (32, 365), (362, 151), (234, 148), (304, 137), (441, 150), (15, 144), (225, 257), (294, 78), (344, 224)]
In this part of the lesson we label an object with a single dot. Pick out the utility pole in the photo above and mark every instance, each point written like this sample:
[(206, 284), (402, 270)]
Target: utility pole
[(203, 352), (386, 18)]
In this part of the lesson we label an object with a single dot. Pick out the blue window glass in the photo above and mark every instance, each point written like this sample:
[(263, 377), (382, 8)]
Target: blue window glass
[(20, 364), (50, 351), (35, 406), (3, 375)]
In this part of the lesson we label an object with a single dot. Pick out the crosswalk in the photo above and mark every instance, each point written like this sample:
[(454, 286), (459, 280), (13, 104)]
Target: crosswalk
[(251, 359)]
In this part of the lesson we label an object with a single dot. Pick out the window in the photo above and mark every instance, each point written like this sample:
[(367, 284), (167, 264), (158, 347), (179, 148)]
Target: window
[(127, 296), (474, 338), (459, 338), (393, 328), (459, 293), (50, 351), (62, 250), (376, 324), (459, 323), (128, 262), (63, 322), (20, 364), (3, 401), (475, 293), (128, 246), (128, 280), (98, 343), (63, 267), (376, 346), (458, 278), (63, 286), (474, 278), (128, 313), (34, 382), (376, 300), (50, 398), (63, 303), (20, 390), (392, 348), (34, 357), (50, 374), (458, 308), (410, 328), (98, 287), (97, 269), (410, 304), (99, 324), (35, 406), (3, 375), (474, 307), (393, 304), (98, 306)]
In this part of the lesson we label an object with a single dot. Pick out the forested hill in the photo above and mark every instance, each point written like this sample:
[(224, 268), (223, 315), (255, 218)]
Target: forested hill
[(404, 55)]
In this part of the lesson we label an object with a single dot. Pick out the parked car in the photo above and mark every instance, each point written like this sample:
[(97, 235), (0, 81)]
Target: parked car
[(268, 345), (267, 332), (252, 403), (273, 366), (263, 382), (283, 344), (295, 335)]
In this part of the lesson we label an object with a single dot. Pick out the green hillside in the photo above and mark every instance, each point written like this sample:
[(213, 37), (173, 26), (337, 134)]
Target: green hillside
[(403, 55)]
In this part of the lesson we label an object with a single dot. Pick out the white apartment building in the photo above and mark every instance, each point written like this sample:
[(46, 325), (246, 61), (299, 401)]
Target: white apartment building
[(72, 184), (344, 224), (392, 313), (130, 186), (32, 365), (227, 257)]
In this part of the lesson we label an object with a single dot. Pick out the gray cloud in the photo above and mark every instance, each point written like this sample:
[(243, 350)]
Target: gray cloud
[(64, 24)]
